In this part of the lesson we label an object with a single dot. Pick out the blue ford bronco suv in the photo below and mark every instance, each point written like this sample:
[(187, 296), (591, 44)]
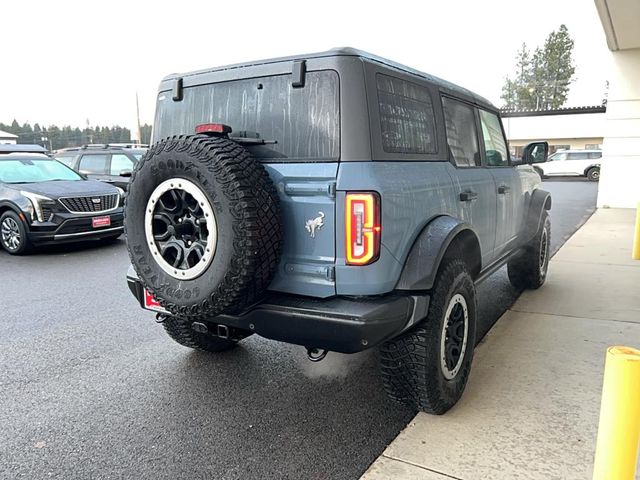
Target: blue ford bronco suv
[(337, 201)]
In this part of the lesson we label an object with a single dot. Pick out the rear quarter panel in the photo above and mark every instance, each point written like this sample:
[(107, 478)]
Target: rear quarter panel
[(412, 194)]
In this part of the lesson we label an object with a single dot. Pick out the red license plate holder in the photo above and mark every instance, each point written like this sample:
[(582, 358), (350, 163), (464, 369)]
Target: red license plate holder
[(99, 222)]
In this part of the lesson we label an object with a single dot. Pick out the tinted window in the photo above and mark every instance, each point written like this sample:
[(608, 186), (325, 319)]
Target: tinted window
[(495, 148), (406, 116), (578, 156), (120, 162), (29, 170), (66, 160), (305, 122), (461, 132), (96, 164), (595, 154)]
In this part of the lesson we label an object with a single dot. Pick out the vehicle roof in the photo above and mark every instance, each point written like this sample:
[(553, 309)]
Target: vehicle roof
[(338, 52), (25, 156), (22, 147)]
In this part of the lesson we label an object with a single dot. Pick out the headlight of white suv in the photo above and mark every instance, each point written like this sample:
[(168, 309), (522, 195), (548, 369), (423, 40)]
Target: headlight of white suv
[(35, 200)]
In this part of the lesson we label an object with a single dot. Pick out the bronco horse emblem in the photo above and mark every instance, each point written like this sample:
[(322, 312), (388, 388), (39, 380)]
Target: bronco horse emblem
[(316, 224)]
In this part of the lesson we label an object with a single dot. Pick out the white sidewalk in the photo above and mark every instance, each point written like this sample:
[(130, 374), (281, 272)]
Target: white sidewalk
[(530, 410)]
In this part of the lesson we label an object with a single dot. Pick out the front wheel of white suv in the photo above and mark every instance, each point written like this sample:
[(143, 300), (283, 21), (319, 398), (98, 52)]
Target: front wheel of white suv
[(593, 174)]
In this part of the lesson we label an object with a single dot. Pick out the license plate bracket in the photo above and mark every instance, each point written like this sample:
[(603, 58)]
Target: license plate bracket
[(98, 222), (150, 303)]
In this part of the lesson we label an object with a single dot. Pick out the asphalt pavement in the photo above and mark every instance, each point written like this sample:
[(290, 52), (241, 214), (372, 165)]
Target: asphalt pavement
[(91, 387)]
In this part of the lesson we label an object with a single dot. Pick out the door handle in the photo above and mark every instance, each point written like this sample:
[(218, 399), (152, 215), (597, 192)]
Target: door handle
[(467, 196), (502, 189)]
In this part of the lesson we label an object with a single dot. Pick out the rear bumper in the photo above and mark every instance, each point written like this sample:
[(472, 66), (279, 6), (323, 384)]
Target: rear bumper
[(339, 324)]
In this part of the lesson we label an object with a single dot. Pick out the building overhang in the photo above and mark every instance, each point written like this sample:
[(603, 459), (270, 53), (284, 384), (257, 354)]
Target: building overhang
[(620, 22)]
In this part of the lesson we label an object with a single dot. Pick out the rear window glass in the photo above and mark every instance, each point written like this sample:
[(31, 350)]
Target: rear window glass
[(93, 164), (305, 122), (406, 116)]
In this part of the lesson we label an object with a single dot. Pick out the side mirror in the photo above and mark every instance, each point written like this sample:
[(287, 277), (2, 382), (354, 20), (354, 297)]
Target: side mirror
[(125, 173), (535, 152)]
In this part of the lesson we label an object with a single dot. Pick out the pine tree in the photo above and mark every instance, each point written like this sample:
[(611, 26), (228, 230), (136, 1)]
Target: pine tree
[(542, 79)]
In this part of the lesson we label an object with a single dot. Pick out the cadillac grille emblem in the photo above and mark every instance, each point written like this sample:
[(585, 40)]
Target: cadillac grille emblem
[(315, 224), (95, 200)]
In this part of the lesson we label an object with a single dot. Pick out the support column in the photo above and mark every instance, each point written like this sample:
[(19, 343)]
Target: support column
[(620, 173)]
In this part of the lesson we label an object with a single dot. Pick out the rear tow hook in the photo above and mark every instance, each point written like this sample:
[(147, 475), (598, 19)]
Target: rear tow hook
[(316, 354)]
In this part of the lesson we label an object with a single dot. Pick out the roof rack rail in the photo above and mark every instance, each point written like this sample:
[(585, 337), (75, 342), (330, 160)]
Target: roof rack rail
[(104, 146)]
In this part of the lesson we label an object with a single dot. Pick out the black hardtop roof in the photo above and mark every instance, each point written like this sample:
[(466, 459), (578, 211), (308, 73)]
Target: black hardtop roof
[(351, 52)]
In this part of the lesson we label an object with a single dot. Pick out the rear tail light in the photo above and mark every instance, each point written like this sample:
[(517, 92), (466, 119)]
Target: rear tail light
[(362, 227)]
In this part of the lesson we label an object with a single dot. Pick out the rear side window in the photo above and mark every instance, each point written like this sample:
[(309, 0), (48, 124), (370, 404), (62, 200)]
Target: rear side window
[(305, 122), (595, 154), (406, 116), (578, 156), (93, 164), (120, 162), (461, 133)]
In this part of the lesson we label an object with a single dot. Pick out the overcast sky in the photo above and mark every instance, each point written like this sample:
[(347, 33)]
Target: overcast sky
[(64, 62)]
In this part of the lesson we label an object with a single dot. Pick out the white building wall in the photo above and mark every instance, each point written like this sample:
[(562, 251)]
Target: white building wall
[(548, 127), (620, 174)]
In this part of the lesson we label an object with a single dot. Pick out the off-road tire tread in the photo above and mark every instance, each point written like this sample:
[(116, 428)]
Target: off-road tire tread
[(524, 271), (257, 222), (407, 371), (180, 330)]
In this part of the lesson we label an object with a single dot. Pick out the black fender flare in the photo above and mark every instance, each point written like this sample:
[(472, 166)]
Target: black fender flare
[(428, 250), (540, 202)]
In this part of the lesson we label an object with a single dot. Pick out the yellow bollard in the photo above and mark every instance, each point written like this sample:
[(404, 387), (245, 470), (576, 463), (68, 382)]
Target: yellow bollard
[(636, 240), (619, 429)]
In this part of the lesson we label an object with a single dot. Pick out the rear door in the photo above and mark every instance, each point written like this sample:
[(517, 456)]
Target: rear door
[(294, 131), (94, 165), (508, 183), (578, 162), (475, 186)]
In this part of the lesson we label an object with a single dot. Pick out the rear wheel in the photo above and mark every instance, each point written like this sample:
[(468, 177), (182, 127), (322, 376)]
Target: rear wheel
[(530, 269), (427, 367), (13, 234), (593, 174)]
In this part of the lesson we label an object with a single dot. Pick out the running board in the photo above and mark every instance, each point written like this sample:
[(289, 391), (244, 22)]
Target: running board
[(498, 264)]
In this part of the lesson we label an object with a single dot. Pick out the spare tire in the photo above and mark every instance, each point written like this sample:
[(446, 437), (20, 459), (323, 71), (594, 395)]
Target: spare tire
[(202, 220)]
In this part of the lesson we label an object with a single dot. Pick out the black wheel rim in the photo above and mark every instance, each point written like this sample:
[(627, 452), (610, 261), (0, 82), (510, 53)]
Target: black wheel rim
[(180, 226), (544, 250), (454, 336)]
